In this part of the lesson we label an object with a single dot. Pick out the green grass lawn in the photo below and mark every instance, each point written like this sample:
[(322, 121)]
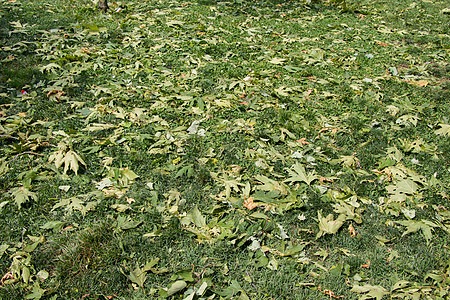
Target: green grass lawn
[(225, 150)]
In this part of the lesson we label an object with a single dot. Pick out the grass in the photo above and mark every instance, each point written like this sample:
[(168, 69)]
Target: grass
[(174, 118)]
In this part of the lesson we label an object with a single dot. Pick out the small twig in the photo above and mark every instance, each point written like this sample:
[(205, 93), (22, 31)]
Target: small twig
[(27, 152)]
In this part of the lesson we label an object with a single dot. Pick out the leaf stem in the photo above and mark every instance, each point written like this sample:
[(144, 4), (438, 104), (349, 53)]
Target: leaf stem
[(27, 152)]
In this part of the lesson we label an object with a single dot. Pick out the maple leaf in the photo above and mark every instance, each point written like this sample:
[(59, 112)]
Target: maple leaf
[(298, 174), (349, 160), (407, 186), (229, 182), (22, 195), (269, 198), (327, 225), (444, 130), (413, 226), (51, 68), (69, 158), (137, 276), (270, 185), (126, 222), (370, 291), (197, 218), (79, 203)]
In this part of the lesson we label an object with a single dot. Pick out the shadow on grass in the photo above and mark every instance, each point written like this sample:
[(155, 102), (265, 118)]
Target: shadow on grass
[(21, 25)]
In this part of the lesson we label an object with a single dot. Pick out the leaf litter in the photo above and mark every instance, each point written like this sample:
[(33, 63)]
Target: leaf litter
[(266, 135)]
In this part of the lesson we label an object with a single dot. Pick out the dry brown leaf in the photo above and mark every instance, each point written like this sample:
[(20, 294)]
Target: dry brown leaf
[(324, 179), (367, 265), (55, 93), (303, 141), (249, 204), (329, 293)]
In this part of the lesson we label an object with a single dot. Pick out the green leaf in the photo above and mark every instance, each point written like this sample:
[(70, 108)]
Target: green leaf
[(3, 248), (342, 208), (150, 266), (4, 168), (175, 23), (328, 225), (2, 204), (26, 274), (407, 120), (266, 197), (130, 175), (125, 222), (407, 186), (36, 292), (370, 291), (56, 226), (197, 218), (51, 68), (69, 158), (399, 285), (176, 287), (292, 69), (21, 195), (270, 185), (298, 174), (231, 290), (277, 61), (76, 203), (444, 130), (121, 207), (348, 160), (413, 226), (98, 127), (42, 275), (294, 249), (229, 182), (137, 276), (184, 274)]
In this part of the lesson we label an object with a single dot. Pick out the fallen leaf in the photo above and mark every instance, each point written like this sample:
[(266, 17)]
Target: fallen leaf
[(370, 291), (277, 61), (352, 230), (249, 204), (327, 225), (444, 130), (303, 141), (367, 265), (422, 83), (55, 93), (329, 293)]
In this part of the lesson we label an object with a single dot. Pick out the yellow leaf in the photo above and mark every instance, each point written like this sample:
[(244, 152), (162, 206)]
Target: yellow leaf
[(352, 230)]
